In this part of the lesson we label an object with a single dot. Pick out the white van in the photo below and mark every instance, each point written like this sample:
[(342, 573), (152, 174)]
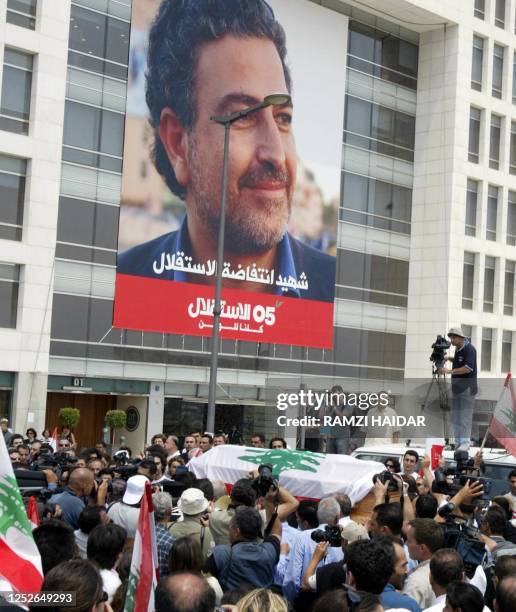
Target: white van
[(498, 462)]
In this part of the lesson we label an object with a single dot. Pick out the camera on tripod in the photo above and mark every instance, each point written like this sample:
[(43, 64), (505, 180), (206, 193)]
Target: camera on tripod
[(439, 347)]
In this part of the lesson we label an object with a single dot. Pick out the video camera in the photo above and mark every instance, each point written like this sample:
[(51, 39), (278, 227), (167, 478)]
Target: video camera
[(387, 476), (264, 481), (439, 347), (463, 538), (455, 475), (330, 534)]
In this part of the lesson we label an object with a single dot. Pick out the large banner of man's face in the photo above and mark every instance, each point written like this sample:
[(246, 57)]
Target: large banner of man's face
[(191, 60)]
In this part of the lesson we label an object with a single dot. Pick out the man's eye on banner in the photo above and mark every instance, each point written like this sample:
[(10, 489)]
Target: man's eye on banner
[(278, 275)]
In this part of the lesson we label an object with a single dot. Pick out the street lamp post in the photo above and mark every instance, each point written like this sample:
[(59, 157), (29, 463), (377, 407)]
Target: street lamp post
[(276, 99)]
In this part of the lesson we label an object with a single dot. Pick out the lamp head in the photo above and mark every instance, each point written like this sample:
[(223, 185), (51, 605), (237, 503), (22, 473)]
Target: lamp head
[(277, 99)]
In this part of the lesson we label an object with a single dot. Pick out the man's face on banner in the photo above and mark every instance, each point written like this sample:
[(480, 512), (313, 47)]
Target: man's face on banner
[(231, 74)]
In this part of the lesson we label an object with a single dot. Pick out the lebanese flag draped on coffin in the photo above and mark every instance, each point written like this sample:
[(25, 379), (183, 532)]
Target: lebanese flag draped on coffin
[(303, 473)]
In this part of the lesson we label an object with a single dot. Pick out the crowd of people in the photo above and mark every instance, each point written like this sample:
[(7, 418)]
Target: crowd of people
[(421, 546)]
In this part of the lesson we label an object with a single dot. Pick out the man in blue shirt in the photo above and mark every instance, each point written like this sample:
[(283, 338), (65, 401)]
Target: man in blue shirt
[(246, 559), (391, 596), (71, 501), (303, 548), (464, 386)]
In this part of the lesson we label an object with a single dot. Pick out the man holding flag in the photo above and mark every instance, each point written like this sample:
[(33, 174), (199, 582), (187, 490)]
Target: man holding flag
[(144, 575), (20, 561)]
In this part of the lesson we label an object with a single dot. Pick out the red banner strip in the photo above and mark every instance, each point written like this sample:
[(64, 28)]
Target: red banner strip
[(165, 306)]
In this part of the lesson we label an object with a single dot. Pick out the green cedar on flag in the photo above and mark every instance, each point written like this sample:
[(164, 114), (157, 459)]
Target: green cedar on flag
[(20, 562), (144, 574)]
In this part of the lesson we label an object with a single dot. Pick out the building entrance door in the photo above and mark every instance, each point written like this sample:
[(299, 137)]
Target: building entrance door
[(93, 410)]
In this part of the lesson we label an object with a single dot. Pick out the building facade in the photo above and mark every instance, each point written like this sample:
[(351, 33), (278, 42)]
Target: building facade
[(427, 217)]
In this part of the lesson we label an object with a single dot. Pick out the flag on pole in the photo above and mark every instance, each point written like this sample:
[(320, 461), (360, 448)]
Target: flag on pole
[(503, 423), (20, 562), (33, 513), (144, 574), (54, 439)]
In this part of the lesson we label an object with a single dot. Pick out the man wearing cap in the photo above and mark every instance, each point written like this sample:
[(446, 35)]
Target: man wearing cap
[(126, 512), (464, 386), (193, 505)]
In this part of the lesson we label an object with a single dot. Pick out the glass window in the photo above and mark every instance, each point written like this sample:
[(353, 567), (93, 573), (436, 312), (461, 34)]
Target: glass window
[(98, 43), (492, 212), (494, 142), (368, 201), (487, 349), (471, 208), (508, 290), (468, 279), (22, 13), (9, 283), (500, 13), (498, 52), (468, 330), (87, 223), (87, 129), (12, 196), (511, 218), (489, 280), (378, 276), (506, 350), (480, 9), (512, 152), (474, 134), (16, 91), (477, 63), (378, 128), (382, 55)]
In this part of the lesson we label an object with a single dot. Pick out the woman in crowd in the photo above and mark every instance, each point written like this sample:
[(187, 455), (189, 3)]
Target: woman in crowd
[(32, 436), (66, 433), (186, 556)]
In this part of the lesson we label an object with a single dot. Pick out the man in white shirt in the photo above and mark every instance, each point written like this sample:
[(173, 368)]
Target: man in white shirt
[(424, 538), (105, 545)]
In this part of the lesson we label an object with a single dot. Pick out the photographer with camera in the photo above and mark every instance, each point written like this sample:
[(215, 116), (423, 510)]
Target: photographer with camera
[(75, 496), (247, 558), (464, 386), (328, 514)]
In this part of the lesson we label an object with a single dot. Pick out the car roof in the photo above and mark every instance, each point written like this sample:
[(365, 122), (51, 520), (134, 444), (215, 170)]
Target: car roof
[(490, 455)]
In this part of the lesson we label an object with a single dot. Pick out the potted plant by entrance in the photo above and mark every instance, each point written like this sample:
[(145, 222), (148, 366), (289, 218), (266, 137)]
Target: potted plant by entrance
[(116, 419)]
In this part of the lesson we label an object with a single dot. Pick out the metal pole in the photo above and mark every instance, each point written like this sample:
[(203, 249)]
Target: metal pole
[(215, 338)]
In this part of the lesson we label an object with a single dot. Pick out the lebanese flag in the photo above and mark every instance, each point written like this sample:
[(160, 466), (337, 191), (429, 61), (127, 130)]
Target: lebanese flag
[(32, 512), (20, 562), (54, 439), (144, 574), (503, 423), (305, 474)]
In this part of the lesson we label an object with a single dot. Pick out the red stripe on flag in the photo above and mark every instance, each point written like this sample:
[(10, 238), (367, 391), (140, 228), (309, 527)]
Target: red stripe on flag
[(144, 587), (503, 435), (32, 511), (21, 573)]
